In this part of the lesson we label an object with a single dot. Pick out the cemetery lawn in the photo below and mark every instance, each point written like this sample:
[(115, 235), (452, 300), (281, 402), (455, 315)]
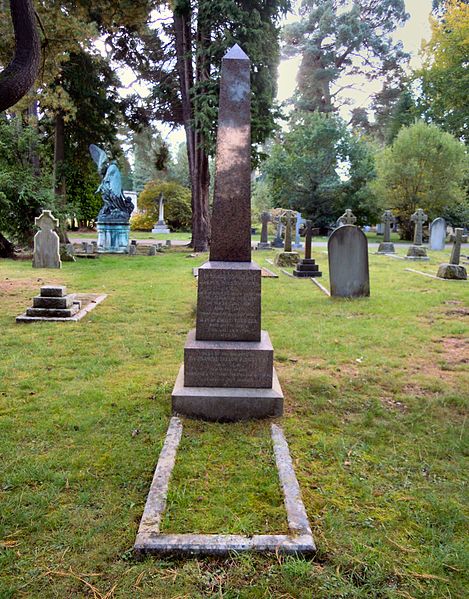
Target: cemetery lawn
[(375, 417)]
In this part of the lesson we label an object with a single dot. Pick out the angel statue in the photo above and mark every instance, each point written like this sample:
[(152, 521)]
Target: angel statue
[(116, 207)]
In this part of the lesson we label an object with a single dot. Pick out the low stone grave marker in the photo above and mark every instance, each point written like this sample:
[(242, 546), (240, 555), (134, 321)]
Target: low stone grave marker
[(454, 270)]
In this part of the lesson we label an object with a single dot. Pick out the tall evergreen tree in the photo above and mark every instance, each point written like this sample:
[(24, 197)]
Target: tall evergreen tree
[(337, 38)]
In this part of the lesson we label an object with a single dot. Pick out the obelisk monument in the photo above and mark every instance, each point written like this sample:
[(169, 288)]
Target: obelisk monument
[(228, 369)]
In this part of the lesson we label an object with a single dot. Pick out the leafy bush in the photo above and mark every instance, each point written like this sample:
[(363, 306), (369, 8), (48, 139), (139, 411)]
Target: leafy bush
[(177, 206)]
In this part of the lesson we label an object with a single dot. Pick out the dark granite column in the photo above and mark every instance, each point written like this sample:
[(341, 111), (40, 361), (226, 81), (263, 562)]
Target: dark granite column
[(228, 371), (231, 218)]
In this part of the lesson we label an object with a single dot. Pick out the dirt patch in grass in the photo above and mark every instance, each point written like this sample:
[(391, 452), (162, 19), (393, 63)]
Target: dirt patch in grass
[(8, 287), (456, 350)]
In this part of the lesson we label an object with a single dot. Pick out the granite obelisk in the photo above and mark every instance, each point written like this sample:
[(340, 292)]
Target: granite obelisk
[(228, 369)]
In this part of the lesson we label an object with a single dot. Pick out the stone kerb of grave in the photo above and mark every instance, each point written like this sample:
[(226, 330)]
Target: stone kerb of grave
[(454, 270), (348, 262), (416, 251), (46, 242), (228, 369), (307, 267), (288, 257), (386, 246), (438, 234)]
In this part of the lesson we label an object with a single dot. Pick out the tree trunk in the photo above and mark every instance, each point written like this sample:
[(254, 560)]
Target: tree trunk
[(196, 153), (18, 77), (7, 249), (59, 175)]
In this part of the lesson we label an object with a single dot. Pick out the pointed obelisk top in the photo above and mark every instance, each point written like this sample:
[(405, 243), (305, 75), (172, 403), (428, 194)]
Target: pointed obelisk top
[(231, 217), (236, 53)]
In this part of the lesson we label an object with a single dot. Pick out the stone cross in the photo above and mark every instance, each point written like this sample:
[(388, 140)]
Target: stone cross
[(456, 251), (277, 242), (299, 221), (418, 217), (388, 220), (348, 218), (46, 242), (231, 218), (288, 215), (265, 219), (308, 238)]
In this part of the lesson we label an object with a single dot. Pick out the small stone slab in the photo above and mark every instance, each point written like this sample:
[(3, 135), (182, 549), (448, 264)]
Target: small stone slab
[(226, 404), (90, 301), (53, 291), (53, 312), (228, 363), (151, 541), (386, 247), (52, 302), (287, 258)]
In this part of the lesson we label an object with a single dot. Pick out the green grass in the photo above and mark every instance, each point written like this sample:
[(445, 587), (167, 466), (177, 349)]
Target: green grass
[(375, 416)]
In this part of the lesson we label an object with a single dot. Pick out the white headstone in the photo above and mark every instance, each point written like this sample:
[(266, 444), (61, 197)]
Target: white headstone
[(438, 234), (46, 242)]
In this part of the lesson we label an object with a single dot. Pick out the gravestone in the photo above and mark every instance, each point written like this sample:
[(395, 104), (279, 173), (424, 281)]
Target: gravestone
[(46, 242), (228, 371), (160, 226), (454, 270), (307, 267), (299, 221), (53, 302), (417, 251), (287, 257), (264, 242), (438, 234), (348, 262), (278, 241), (347, 218), (386, 246)]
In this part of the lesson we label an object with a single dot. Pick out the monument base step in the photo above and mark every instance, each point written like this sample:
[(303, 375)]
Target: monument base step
[(228, 363), (307, 273), (386, 247), (226, 404)]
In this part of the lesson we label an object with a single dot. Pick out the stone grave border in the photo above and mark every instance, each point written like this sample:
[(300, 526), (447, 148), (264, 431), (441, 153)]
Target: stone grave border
[(427, 274), (151, 541), (321, 287), (78, 316)]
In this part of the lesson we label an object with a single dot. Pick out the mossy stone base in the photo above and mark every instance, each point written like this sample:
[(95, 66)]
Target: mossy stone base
[(452, 271), (287, 259)]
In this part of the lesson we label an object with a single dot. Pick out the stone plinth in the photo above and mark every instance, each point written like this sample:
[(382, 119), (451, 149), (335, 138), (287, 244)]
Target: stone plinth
[(229, 302), (113, 238), (160, 228), (287, 258), (307, 268), (386, 247), (452, 271), (228, 363), (53, 302), (225, 404), (416, 252)]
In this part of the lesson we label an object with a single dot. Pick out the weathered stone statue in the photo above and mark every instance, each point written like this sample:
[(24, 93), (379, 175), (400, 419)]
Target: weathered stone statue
[(113, 218)]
